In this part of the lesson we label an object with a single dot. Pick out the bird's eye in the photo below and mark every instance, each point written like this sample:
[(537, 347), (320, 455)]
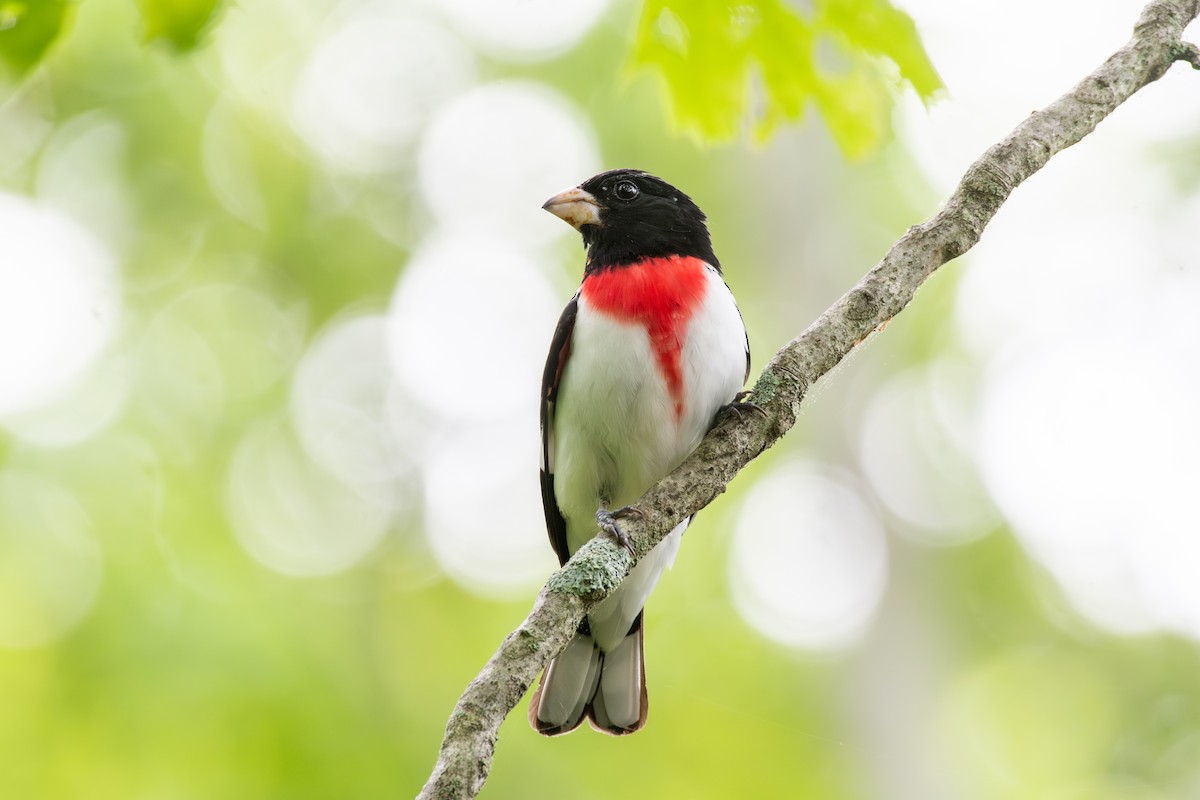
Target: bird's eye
[(626, 190)]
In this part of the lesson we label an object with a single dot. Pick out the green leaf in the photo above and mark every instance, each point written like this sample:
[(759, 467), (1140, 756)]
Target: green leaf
[(857, 108), (28, 28), (877, 28), (730, 68), (180, 23)]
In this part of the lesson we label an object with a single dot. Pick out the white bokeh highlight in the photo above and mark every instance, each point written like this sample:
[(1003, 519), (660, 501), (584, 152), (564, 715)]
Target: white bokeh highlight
[(228, 162), (523, 30), (485, 524), (468, 328), (292, 516), (1062, 254), (342, 404), (492, 157), (1075, 304), (26, 121), (1089, 448), (371, 84), (916, 446), (92, 405), (264, 45), (50, 562), (808, 565), (212, 348), (81, 172), (992, 84), (60, 303)]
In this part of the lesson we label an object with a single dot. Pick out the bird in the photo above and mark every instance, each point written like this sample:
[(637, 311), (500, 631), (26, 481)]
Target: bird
[(647, 354)]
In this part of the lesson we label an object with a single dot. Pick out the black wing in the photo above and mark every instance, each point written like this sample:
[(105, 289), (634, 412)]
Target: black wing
[(556, 361)]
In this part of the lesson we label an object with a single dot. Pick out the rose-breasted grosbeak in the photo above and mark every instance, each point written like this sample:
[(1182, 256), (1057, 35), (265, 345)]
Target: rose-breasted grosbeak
[(646, 354)]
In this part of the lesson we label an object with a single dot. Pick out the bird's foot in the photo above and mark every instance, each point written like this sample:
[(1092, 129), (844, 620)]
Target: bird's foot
[(608, 523), (740, 404)]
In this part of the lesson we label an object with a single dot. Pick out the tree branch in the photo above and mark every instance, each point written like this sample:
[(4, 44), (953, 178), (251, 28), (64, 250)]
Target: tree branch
[(597, 568)]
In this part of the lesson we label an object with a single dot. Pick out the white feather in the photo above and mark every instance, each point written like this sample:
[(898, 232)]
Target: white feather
[(570, 681)]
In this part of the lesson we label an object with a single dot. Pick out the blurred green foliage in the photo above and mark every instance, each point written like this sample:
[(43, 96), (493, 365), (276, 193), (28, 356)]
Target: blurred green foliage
[(724, 65), (27, 30), (727, 65), (180, 23)]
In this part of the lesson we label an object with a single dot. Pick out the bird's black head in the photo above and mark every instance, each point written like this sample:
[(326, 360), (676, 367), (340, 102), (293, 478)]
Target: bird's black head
[(626, 215)]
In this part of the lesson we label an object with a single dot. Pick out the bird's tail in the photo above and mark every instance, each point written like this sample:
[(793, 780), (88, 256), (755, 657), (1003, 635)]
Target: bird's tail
[(609, 688), (620, 703)]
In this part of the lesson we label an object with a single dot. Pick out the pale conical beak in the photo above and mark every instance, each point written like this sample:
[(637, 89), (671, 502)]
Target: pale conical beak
[(574, 206)]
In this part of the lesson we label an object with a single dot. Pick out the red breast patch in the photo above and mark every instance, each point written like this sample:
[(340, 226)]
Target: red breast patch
[(660, 294)]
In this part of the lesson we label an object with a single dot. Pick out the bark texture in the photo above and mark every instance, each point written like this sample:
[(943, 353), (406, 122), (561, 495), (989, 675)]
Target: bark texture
[(596, 569)]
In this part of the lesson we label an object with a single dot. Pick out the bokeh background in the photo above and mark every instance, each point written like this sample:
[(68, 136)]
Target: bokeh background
[(272, 316)]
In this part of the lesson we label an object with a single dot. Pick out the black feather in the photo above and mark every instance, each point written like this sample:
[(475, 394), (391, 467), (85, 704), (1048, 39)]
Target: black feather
[(556, 361)]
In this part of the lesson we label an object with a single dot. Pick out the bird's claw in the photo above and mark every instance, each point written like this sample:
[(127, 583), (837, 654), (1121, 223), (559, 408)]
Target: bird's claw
[(739, 404), (608, 524)]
